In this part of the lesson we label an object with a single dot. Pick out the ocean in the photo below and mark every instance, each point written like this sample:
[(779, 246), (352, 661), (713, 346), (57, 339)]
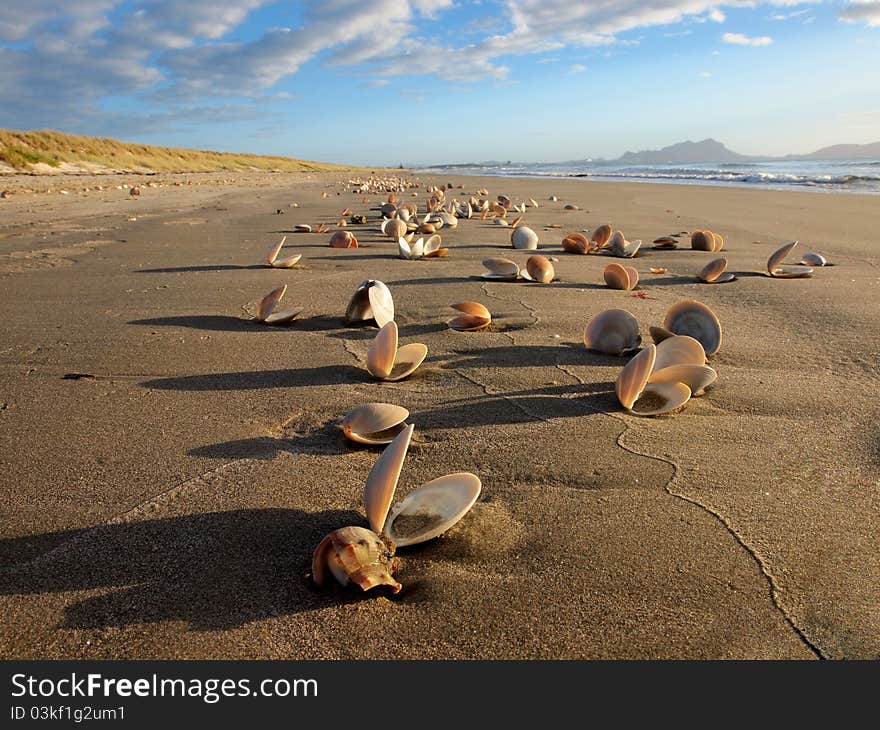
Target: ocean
[(835, 176)]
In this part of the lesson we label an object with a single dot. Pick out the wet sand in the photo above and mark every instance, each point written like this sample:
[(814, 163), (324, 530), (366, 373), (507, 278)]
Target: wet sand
[(167, 466)]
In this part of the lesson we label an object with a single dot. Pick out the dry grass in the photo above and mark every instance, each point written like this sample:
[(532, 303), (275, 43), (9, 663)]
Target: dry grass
[(22, 150)]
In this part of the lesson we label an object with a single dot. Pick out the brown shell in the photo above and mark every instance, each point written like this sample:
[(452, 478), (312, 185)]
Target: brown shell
[(693, 318), (702, 241), (613, 332), (617, 277), (343, 239), (601, 235), (540, 269), (576, 242)]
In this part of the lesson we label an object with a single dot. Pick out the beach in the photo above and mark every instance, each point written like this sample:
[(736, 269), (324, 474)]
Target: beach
[(168, 465)]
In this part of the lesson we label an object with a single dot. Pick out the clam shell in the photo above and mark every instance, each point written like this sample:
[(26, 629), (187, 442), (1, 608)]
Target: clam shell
[(679, 350), (696, 377), (658, 334), (540, 269), (382, 352), (432, 509), (702, 241), (634, 376), (718, 241), (383, 477), (374, 423), (671, 397), (407, 360), (814, 259), (272, 253), (269, 302), (693, 318), (613, 332), (283, 317), (787, 272), (576, 242), (713, 270), (665, 242), (500, 268), (302, 228), (524, 237), (633, 277), (371, 300), (403, 249), (617, 277), (601, 235), (432, 244), (343, 239), (394, 228), (476, 317)]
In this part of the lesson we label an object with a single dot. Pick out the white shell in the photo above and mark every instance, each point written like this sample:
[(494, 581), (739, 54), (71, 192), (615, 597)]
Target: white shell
[(374, 423), (438, 505), (371, 300), (524, 237)]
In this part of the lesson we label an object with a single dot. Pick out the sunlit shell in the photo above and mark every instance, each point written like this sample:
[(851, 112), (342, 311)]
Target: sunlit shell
[(374, 423), (658, 334), (634, 376), (621, 247), (383, 477), (718, 241), (577, 242), (787, 272), (601, 236), (302, 228), (617, 277), (286, 263), (702, 241), (268, 312), (540, 269), (533, 202), (679, 350), (448, 219), (386, 362), (665, 242), (657, 399), (524, 237), (613, 332), (500, 268), (432, 246), (394, 228), (814, 259), (659, 270), (371, 300), (476, 317), (713, 272), (354, 555), (693, 318), (501, 222), (343, 239), (695, 377)]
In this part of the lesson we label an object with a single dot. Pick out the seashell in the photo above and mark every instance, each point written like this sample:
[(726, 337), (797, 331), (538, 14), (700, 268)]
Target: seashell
[(475, 318), (577, 243), (533, 202), (404, 214), (713, 272), (693, 318), (407, 251), (432, 247), (659, 270), (601, 236), (718, 241), (302, 228), (524, 237), (504, 201), (501, 222), (702, 241), (393, 228), (371, 300), (621, 277), (621, 247), (465, 211), (540, 269), (570, 206), (696, 377), (275, 263), (500, 268), (653, 399), (658, 334), (516, 221), (267, 309), (634, 376), (613, 332), (553, 199), (428, 228), (374, 423), (448, 219), (342, 223), (388, 210), (354, 555), (386, 362), (679, 350), (343, 239), (666, 242), (814, 259), (788, 272)]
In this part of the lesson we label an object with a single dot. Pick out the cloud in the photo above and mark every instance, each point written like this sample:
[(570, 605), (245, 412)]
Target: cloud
[(862, 11), (577, 68), (378, 83), (705, 75), (739, 39)]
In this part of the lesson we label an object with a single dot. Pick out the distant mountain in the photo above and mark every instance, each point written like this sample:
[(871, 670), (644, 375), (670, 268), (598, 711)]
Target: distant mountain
[(843, 152), (709, 150)]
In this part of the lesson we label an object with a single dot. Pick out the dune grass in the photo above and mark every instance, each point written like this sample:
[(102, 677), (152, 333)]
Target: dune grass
[(23, 150)]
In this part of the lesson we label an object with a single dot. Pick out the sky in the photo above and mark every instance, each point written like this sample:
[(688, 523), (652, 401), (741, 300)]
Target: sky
[(416, 82)]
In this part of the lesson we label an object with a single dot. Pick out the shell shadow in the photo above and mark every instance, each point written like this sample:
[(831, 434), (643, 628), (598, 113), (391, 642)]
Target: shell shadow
[(258, 379), (212, 322), (184, 269), (216, 570), (517, 356)]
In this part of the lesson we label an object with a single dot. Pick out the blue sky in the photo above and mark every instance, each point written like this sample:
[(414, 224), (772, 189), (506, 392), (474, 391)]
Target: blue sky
[(420, 82)]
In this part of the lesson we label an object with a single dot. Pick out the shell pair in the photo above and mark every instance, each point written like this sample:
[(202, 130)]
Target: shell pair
[(421, 249), (276, 263), (622, 248), (374, 423), (475, 317), (343, 239), (371, 300), (621, 277), (662, 378), (666, 243), (707, 241), (786, 272), (364, 556), (576, 242), (268, 312), (538, 268), (694, 319), (613, 332), (524, 238), (714, 272), (386, 362)]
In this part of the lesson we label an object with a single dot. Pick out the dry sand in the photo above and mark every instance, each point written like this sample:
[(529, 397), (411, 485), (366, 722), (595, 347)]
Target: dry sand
[(168, 506)]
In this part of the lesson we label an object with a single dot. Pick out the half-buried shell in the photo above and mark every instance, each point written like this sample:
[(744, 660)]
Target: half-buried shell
[(374, 423), (386, 362), (276, 263), (268, 312), (475, 318), (371, 300), (695, 319), (814, 259), (713, 272), (787, 272), (613, 332)]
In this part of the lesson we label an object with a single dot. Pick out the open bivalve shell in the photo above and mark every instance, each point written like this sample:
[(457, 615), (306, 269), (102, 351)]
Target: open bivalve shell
[(500, 268), (601, 236), (374, 423), (713, 272), (268, 312), (665, 243), (787, 272), (814, 259), (613, 332), (371, 300), (622, 248), (386, 362), (642, 397), (693, 318), (621, 277), (421, 249), (475, 318), (524, 237), (276, 263), (577, 242), (706, 241), (540, 269), (394, 228)]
